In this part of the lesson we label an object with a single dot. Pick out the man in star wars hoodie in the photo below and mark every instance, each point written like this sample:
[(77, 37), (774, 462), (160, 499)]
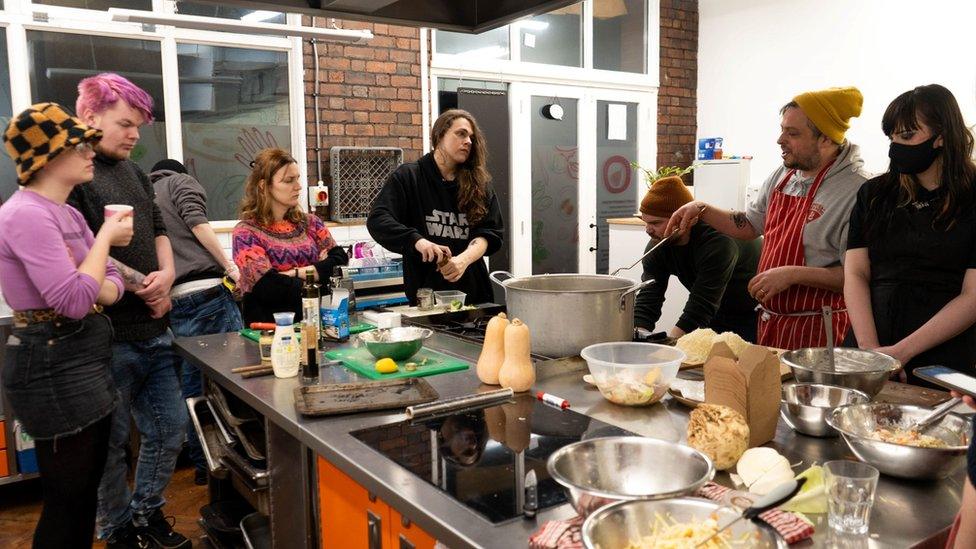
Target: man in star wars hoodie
[(441, 213)]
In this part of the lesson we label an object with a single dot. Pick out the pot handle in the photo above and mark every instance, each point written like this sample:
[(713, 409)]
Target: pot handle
[(501, 282), (634, 288)]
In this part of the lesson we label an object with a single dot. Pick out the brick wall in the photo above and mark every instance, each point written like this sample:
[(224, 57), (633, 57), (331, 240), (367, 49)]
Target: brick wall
[(677, 96), (369, 94)]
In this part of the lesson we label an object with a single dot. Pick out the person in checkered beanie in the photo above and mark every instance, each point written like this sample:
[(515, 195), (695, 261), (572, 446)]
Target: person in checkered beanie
[(56, 275)]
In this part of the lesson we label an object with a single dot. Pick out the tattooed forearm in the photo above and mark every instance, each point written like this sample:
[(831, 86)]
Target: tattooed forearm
[(131, 278), (739, 218)]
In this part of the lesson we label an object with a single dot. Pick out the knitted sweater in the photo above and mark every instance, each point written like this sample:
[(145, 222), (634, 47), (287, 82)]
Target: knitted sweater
[(263, 252), (123, 182)]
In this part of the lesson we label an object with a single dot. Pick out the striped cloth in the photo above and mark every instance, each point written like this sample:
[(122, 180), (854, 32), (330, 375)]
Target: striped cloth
[(565, 534)]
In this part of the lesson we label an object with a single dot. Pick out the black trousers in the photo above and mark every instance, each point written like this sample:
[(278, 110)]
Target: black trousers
[(71, 468)]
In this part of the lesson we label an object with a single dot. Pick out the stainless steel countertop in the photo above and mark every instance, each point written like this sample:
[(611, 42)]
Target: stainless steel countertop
[(905, 513)]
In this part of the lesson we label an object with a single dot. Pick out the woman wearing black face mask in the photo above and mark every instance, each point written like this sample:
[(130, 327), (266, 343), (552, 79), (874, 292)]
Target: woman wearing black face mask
[(910, 266)]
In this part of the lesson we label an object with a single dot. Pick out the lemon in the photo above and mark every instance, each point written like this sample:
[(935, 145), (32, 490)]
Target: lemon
[(386, 366)]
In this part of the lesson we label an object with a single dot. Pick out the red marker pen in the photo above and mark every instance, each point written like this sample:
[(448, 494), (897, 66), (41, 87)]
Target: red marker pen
[(552, 400)]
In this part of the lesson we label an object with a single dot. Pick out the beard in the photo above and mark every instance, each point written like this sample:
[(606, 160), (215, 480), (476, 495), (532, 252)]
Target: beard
[(116, 154), (804, 163)]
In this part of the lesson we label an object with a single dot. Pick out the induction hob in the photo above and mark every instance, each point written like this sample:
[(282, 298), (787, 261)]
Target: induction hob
[(480, 457)]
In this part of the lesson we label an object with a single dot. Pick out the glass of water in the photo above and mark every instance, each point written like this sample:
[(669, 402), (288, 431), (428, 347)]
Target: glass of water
[(850, 489)]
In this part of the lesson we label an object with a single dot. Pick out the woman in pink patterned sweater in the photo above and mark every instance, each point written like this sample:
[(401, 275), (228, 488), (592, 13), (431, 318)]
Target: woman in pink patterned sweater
[(276, 243)]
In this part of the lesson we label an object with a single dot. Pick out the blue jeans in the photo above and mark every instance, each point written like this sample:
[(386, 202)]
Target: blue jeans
[(145, 373), (206, 312)]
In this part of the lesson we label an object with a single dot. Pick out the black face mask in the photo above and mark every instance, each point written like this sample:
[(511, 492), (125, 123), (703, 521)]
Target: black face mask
[(912, 159)]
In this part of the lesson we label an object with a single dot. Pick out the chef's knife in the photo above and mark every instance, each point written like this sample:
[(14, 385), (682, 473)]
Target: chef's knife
[(779, 495), (531, 495)]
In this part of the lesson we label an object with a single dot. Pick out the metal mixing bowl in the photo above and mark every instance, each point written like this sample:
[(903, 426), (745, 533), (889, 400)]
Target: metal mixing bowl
[(396, 343), (617, 526), (856, 422), (804, 406), (599, 471), (855, 368)]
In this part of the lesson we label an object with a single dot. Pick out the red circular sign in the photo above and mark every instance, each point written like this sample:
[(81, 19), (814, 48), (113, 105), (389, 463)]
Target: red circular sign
[(616, 174)]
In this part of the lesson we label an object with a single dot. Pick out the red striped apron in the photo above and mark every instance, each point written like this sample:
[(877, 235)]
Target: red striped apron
[(792, 318)]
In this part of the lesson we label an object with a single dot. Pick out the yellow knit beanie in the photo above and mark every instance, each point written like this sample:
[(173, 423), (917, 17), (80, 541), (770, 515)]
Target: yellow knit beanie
[(831, 109), (665, 196)]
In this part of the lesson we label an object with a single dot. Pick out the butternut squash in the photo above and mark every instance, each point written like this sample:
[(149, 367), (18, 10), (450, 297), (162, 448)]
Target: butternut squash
[(517, 370), (492, 350)]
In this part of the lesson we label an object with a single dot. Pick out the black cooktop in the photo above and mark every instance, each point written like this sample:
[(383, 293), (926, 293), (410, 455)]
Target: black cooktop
[(468, 325), (480, 457)]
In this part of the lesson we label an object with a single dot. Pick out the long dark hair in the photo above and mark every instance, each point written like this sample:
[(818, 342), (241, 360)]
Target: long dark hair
[(256, 203), (472, 176), (936, 107)]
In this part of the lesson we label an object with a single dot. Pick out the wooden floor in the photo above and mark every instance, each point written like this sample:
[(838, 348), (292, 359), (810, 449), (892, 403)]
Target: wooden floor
[(20, 506)]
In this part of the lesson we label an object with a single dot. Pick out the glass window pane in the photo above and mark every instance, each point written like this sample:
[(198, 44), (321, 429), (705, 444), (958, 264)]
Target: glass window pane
[(618, 35), (615, 179), (555, 188), (487, 45), (99, 4), (225, 12), (234, 102), (555, 38), (58, 61), (447, 90), (8, 175)]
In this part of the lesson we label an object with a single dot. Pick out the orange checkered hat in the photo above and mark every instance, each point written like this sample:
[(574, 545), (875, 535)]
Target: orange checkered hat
[(40, 133)]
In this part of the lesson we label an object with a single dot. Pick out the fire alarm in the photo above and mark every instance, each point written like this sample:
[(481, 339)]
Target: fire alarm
[(553, 111)]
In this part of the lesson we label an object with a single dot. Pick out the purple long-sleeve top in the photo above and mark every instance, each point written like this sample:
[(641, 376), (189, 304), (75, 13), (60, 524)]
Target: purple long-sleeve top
[(42, 243)]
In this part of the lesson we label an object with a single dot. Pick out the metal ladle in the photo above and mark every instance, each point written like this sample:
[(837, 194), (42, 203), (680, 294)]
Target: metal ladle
[(829, 329), (649, 252)]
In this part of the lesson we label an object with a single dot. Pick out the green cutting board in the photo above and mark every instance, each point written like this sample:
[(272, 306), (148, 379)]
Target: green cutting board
[(360, 361)]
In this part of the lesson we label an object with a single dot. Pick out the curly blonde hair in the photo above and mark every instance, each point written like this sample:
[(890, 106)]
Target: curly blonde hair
[(256, 204)]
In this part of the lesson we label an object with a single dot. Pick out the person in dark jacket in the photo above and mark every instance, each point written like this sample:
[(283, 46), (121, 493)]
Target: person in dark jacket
[(910, 267), (276, 243), (441, 213), (715, 268)]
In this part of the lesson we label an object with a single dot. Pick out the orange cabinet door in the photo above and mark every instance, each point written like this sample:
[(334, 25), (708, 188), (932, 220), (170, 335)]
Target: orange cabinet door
[(404, 534), (349, 518)]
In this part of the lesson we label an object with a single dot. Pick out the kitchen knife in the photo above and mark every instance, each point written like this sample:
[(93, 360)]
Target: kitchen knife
[(778, 496)]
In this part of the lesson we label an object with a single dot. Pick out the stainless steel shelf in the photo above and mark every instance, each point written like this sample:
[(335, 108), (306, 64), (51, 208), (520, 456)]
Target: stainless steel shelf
[(17, 478)]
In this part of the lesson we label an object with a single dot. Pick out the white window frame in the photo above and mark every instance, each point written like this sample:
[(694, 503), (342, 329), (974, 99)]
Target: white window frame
[(17, 18)]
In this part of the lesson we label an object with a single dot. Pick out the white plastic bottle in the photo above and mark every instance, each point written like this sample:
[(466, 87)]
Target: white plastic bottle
[(285, 351)]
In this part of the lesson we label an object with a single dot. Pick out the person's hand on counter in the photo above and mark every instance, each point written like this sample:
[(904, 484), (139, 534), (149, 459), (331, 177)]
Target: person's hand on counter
[(965, 398), (453, 269), (432, 252), (676, 332)]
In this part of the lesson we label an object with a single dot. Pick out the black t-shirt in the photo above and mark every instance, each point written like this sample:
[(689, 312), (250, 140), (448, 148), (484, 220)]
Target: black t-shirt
[(917, 266), (417, 202)]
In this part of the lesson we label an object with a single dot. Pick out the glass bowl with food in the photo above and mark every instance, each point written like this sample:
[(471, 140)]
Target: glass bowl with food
[(632, 373)]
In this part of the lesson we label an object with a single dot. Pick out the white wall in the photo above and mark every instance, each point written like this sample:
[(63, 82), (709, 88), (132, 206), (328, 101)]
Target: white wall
[(755, 55)]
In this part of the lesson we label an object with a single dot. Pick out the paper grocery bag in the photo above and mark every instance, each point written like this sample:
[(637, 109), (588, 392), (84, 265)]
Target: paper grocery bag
[(750, 385)]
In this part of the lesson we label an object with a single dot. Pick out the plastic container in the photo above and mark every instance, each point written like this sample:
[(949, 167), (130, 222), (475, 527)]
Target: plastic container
[(446, 297), (631, 373), (286, 353)]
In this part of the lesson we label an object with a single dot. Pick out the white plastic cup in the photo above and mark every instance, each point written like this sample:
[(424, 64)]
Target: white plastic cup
[(112, 209)]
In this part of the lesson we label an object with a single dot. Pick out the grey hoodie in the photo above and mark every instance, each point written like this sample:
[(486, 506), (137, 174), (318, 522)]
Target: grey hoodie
[(183, 203), (824, 237)]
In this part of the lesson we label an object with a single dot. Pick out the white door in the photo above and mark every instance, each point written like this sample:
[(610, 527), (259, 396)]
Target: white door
[(571, 154)]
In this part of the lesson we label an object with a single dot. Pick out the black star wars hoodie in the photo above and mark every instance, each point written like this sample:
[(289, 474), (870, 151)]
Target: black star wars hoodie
[(417, 202)]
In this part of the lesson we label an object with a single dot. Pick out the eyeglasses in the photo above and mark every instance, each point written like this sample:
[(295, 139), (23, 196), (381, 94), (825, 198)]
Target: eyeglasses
[(84, 147)]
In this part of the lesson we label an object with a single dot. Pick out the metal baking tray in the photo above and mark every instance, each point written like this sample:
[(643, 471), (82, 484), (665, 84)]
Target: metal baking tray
[(346, 398)]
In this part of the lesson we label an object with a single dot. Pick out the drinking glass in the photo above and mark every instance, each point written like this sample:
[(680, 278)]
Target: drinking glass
[(850, 489)]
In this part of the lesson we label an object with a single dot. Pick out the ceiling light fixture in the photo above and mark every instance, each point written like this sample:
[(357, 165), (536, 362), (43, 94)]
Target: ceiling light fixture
[(229, 25)]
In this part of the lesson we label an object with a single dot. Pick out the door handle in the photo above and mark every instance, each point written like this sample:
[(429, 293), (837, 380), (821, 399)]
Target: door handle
[(374, 530), (596, 239), (406, 543)]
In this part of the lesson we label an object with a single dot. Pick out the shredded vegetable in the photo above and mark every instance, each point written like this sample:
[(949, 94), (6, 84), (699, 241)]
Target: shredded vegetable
[(908, 437), (671, 534)]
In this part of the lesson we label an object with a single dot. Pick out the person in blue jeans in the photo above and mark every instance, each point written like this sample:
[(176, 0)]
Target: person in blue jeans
[(144, 364), (202, 305)]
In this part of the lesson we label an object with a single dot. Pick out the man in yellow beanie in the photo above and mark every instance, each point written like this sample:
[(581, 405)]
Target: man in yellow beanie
[(802, 211), (715, 268)]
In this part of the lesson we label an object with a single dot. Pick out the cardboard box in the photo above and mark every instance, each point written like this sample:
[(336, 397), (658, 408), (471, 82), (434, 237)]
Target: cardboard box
[(750, 385)]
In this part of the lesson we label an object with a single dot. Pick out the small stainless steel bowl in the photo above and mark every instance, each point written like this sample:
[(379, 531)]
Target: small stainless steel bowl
[(804, 406), (622, 524), (600, 471), (858, 422), (396, 343), (858, 369)]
